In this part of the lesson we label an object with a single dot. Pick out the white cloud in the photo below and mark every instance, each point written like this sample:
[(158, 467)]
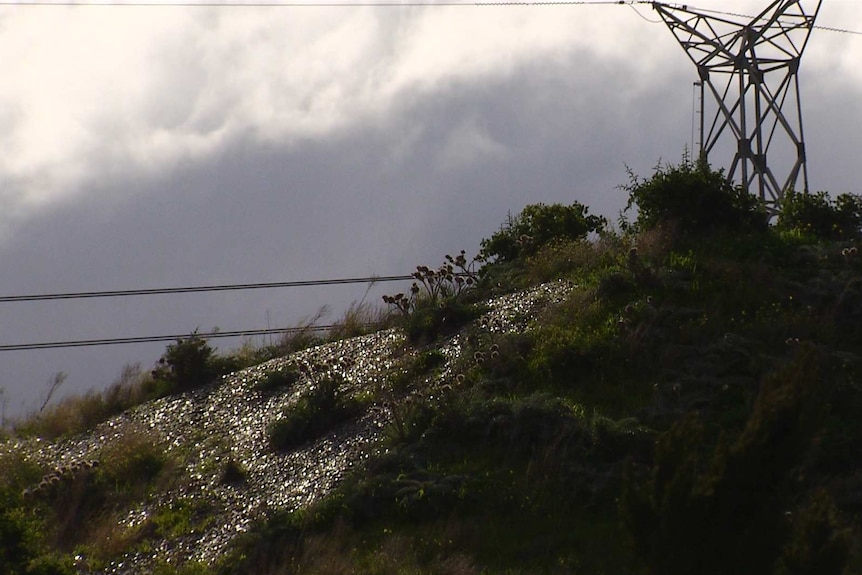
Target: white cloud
[(96, 91)]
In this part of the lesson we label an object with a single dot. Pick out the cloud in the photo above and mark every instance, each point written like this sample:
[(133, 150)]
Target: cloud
[(98, 90), (170, 147)]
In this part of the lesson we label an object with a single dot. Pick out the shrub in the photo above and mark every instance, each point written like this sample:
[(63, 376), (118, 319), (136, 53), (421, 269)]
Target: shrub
[(317, 411), (722, 509), (693, 199), (538, 224), (131, 463), (186, 364), (278, 379), (818, 215), (17, 541), (819, 544), (428, 320), (232, 473)]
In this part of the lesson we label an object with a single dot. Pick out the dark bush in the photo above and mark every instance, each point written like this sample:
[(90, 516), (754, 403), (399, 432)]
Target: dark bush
[(430, 319), (819, 544), (17, 545), (536, 225), (818, 215), (721, 508), (279, 379), (693, 199), (186, 364), (316, 412)]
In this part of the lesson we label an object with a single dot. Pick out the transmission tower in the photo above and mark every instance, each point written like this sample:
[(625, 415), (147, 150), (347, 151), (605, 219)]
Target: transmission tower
[(750, 66)]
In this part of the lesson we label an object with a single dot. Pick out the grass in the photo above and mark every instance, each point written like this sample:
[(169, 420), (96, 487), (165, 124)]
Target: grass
[(79, 413), (544, 436), (692, 406), (324, 406)]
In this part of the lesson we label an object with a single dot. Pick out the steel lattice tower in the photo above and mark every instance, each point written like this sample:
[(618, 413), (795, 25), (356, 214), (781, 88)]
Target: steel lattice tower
[(750, 66)]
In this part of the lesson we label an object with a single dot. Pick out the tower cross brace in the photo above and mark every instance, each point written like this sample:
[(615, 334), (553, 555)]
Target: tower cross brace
[(750, 66)]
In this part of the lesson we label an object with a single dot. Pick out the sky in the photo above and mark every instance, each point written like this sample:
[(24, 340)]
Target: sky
[(171, 146)]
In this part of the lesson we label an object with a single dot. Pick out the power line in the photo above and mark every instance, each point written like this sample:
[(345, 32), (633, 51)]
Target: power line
[(377, 4), (840, 30), (304, 4), (196, 289), (158, 338), (749, 17)]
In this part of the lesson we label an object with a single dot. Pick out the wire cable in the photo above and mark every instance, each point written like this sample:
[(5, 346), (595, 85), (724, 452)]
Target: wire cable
[(749, 17), (379, 4), (158, 338), (307, 4), (197, 289)]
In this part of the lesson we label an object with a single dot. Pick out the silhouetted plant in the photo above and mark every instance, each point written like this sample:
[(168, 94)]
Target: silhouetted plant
[(719, 510), (186, 364), (435, 299), (317, 411), (279, 378), (232, 473), (433, 286), (817, 215), (693, 199), (819, 543), (536, 225)]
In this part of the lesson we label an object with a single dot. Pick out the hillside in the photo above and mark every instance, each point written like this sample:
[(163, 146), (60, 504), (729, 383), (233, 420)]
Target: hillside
[(679, 396)]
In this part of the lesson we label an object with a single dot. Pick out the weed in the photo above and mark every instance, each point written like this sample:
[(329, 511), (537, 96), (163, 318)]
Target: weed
[(359, 319), (316, 412), (76, 414), (436, 303), (279, 379)]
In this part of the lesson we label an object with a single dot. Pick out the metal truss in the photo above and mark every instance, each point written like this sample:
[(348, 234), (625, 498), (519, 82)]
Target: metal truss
[(750, 66)]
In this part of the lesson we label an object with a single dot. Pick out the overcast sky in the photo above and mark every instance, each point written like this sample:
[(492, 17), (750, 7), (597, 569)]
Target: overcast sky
[(147, 147)]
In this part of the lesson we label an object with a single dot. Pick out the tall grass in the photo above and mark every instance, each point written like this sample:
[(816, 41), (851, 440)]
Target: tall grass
[(78, 413)]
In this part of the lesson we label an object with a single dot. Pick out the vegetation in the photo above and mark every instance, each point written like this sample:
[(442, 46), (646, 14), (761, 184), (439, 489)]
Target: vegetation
[(538, 224), (439, 301), (818, 216), (694, 200), (186, 364), (317, 411), (691, 406)]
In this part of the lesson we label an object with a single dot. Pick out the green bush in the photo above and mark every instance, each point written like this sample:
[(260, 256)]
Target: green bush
[(819, 543), (51, 564), (279, 379), (428, 320), (17, 541), (819, 216), (721, 508), (317, 411), (538, 224), (693, 199), (130, 464), (186, 364)]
